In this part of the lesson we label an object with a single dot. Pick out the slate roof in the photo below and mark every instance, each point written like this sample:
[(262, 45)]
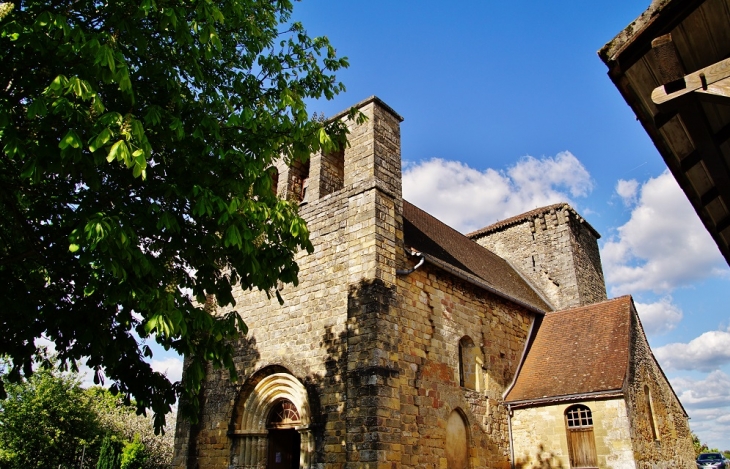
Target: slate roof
[(577, 351), (428, 235)]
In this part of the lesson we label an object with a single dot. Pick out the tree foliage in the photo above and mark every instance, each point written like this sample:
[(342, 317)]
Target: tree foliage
[(108, 457), (136, 143), (48, 420), (45, 422), (133, 432)]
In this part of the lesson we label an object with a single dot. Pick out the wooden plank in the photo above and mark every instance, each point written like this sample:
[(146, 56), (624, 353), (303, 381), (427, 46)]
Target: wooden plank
[(699, 80), (709, 196), (643, 80), (582, 447), (717, 18), (689, 161), (676, 136), (700, 40)]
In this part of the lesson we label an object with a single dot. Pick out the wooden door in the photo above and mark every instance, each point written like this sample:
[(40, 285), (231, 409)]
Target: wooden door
[(284, 449), (582, 447), (581, 442)]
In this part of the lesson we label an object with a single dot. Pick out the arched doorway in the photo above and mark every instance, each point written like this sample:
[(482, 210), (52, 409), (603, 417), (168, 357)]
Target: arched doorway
[(457, 441), (270, 426)]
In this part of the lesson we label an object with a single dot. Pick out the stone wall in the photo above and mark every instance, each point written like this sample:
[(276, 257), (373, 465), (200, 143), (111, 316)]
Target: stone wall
[(330, 333), (556, 250), (540, 439), (668, 443), (435, 312)]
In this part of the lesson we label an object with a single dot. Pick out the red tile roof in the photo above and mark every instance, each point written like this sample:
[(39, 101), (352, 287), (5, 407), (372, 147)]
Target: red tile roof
[(428, 235), (577, 351)]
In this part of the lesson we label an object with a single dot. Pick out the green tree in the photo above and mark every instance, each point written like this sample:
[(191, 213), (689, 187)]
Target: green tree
[(45, 422), (137, 139), (107, 454), (126, 426), (134, 455)]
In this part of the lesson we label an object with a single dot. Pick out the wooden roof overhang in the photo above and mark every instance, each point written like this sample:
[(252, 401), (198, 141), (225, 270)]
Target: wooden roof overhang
[(672, 67)]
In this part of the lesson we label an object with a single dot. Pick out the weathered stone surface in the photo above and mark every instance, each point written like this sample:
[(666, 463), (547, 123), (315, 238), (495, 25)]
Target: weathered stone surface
[(555, 249)]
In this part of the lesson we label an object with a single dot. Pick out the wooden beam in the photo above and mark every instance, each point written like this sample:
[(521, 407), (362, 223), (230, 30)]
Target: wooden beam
[(722, 135), (722, 224), (689, 161), (669, 66), (699, 80), (709, 196), (718, 92), (663, 117)]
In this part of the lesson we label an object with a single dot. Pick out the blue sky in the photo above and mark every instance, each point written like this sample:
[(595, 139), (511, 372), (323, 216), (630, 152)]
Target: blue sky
[(508, 107)]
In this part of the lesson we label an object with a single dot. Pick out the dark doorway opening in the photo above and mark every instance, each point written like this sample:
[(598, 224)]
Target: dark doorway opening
[(284, 449)]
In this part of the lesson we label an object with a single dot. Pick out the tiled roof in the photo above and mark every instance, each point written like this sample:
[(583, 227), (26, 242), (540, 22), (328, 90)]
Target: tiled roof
[(428, 235), (577, 351), (517, 219)]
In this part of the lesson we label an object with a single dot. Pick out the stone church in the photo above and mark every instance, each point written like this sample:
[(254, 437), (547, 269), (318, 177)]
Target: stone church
[(407, 344)]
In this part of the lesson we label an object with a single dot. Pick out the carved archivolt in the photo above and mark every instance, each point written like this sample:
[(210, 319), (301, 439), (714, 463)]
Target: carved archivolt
[(252, 417), (254, 410)]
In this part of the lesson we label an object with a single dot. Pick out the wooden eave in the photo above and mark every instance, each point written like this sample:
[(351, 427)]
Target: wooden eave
[(691, 124)]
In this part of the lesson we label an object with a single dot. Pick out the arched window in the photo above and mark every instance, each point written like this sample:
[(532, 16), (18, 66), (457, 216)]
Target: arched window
[(298, 181), (581, 442), (650, 412), (332, 177), (457, 438), (468, 363), (274, 180)]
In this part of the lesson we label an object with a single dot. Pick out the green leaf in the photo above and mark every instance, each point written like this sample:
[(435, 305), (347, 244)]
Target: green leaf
[(101, 140), (115, 152), (71, 139), (37, 108)]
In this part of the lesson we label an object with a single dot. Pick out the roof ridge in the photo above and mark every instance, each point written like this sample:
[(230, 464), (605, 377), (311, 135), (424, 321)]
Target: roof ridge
[(507, 222), (594, 305)]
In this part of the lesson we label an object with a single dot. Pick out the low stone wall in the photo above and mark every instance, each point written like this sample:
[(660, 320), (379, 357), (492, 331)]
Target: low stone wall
[(540, 439)]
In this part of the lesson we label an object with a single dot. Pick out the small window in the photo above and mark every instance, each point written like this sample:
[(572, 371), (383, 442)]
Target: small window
[(650, 412), (467, 363), (579, 416), (332, 177), (274, 173), (284, 414), (298, 182)]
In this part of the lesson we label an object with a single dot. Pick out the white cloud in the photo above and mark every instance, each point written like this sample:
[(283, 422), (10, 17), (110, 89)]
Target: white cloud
[(707, 402), (663, 246), (171, 367), (713, 391), (660, 316), (628, 191), (707, 352), (468, 199)]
